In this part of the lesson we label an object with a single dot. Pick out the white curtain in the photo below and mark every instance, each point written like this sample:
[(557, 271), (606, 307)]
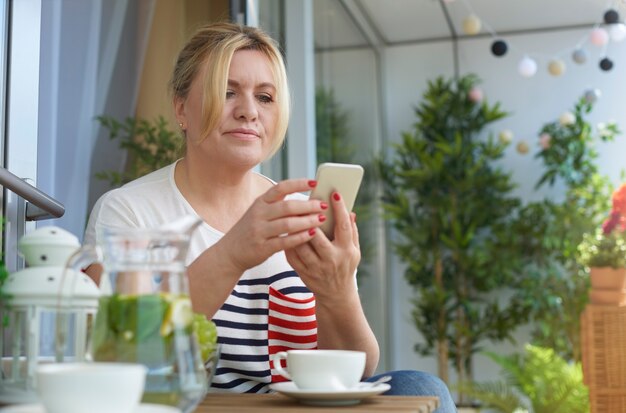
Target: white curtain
[(91, 58)]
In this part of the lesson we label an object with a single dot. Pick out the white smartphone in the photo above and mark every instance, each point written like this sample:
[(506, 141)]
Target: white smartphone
[(340, 177)]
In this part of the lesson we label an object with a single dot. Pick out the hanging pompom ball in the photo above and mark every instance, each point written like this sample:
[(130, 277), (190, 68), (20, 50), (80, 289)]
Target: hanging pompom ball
[(505, 136), (592, 95), (611, 16), (617, 32), (544, 140), (599, 36), (527, 67), (499, 48), (556, 67), (579, 56), (475, 94), (471, 24), (606, 64), (567, 118), (522, 148)]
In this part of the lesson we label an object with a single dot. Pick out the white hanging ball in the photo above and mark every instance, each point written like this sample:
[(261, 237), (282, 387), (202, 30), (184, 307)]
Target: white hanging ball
[(567, 118), (599, 36), (618, 32), (527, 67), (471, 24), (579, 56), (505, 136), (556, 67)]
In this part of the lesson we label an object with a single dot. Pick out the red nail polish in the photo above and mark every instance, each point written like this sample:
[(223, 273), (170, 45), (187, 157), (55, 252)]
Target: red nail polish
[(312, 183), (321, 217), (312, 231), (323, 205), (336, 196)]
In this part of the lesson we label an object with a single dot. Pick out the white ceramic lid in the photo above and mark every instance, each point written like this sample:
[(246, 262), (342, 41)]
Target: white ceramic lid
[(42, 285), (50, 246)]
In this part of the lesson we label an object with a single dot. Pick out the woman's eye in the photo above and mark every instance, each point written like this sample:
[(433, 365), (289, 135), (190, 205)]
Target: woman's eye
[(229, 94), (265, 98)]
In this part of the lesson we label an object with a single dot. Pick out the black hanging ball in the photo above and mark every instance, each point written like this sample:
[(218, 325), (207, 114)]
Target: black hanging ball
[(606, 64), (499, 48), (611, 16)]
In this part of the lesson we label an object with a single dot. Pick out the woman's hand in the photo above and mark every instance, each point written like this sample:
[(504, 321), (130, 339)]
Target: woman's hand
[(328, 267), (273, 224)]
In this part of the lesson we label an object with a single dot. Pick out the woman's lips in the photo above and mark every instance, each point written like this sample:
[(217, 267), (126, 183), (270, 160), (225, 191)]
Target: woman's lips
[(243, 133)]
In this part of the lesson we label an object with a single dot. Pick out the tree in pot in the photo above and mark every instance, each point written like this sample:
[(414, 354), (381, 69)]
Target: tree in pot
[(452, 205)]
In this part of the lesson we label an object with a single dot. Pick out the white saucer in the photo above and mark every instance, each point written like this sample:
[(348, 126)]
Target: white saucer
[(328, 398), (38, 408)]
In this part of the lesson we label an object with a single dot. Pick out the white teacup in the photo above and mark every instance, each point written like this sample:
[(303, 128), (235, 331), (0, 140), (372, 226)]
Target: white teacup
[(322, 369), (90, 387)]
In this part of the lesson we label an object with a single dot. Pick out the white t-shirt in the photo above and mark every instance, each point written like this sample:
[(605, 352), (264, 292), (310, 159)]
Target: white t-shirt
[(269, 310)]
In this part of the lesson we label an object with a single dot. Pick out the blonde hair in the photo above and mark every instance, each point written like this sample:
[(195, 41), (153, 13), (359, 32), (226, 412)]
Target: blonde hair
[(215, 45)]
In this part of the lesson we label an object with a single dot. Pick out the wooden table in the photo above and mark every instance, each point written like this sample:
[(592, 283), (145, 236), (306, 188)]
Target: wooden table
[(261, 403)]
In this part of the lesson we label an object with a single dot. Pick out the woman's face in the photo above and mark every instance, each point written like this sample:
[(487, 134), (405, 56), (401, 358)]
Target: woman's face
[(246, 128)]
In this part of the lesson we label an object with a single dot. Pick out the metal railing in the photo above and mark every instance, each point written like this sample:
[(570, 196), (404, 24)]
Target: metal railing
[(39, 205)]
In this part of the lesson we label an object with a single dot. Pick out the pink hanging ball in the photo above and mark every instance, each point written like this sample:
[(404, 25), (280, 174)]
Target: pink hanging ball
[(544, 140), (599, 36), (475, 94)]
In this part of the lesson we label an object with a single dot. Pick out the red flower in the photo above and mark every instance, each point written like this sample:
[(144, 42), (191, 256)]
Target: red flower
[(619, 200), (609, 225)]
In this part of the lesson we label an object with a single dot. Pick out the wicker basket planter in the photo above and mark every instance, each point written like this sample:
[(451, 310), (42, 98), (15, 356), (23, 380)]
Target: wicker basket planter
[(603, 340)]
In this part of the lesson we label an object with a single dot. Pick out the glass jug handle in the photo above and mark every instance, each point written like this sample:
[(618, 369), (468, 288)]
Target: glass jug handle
[(84, 257), (80, 259)]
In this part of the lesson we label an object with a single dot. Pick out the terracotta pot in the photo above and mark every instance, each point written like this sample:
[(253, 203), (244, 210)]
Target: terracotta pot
[(608, 278), (608, 297)]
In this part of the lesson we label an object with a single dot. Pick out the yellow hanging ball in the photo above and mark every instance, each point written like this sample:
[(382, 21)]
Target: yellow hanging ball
[(471, 24), (556, 67), (522, 148)]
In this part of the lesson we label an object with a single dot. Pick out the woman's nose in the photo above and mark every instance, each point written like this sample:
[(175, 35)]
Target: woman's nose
[(246, 108)]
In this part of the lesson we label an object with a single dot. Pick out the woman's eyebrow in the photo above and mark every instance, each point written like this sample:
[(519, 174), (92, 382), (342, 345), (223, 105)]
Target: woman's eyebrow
[(234, 83)]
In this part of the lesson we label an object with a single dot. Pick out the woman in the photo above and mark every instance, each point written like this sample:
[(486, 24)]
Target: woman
[(259, 258)]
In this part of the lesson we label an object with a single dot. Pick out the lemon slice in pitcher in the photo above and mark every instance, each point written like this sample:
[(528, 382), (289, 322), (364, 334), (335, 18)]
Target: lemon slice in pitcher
[(179, 315)]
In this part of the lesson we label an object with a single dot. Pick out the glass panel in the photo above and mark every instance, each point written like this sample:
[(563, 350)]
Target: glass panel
[(348, 123), (347, 109)]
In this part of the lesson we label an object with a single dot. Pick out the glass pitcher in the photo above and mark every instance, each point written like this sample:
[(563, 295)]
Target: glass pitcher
[(144, 313)]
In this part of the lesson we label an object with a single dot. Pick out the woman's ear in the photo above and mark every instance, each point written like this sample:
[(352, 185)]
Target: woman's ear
[(179, 111)]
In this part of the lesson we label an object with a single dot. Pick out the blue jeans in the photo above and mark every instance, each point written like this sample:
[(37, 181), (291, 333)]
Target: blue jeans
[(418, 383)]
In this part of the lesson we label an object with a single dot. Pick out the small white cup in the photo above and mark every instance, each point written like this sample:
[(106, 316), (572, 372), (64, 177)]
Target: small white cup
[(324, 370), (90, 387)]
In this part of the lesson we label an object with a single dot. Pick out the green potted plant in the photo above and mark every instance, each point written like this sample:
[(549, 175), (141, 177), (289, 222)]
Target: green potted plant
[(604, 253), (553, 283), (538, 381), (150, 144), (452, 205)]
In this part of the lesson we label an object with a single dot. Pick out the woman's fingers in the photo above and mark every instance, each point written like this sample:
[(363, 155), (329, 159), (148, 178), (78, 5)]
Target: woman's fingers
[(355, 231), (283, 188), (294, 208), (343, 223)]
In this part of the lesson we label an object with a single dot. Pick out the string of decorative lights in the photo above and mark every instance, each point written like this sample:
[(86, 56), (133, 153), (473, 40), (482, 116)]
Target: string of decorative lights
[(610, 29)]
